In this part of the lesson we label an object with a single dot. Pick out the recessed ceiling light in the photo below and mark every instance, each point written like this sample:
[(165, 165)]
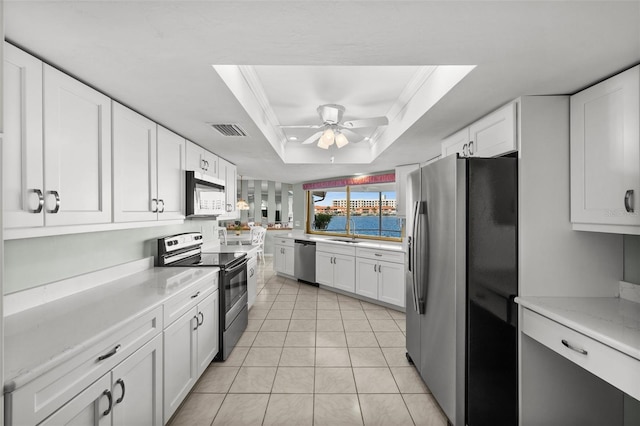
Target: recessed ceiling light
[(293, 138)]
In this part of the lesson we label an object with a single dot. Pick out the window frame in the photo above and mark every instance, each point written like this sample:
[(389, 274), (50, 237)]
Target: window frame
[(309, 206)]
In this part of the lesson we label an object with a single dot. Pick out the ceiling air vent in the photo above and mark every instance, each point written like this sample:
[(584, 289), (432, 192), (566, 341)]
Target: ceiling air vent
[(229, 129)]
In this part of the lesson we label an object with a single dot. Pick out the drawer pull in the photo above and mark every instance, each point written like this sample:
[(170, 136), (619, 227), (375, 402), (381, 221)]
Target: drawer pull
[(109, 354), (195, 295), (378, 254), (107, 393), (573, 348)]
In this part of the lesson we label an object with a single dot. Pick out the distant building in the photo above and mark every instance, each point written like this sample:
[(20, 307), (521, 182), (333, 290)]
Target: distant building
[(359, 206)]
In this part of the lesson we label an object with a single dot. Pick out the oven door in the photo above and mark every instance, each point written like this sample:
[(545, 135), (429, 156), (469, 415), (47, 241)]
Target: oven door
[(235, 291)]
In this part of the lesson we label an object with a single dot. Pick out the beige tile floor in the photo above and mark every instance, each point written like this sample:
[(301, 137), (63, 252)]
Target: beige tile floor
[(313, 357)]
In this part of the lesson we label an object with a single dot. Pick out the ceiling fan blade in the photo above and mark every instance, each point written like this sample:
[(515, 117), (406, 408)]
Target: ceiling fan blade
[(303, 126), (312, 138), (352, 136), (366, 122)]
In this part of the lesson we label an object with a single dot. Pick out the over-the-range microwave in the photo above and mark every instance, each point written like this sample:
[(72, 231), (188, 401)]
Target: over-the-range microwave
[(205, 196)]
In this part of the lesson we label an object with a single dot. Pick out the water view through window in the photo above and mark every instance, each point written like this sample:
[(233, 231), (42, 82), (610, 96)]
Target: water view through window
[(362, 212)]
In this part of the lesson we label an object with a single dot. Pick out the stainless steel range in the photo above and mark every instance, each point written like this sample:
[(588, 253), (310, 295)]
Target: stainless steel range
[(186, 250)]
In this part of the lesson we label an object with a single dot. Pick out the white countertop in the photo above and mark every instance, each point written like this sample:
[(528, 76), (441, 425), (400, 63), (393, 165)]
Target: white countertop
[(228, 248), (381, 245), (40, 338), (610, 320)]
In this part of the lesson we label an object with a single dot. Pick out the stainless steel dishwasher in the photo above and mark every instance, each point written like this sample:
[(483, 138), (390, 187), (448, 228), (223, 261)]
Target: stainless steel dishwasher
[(304, 265)]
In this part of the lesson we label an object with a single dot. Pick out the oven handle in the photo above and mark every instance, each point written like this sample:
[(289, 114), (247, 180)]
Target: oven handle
[(240, 265)]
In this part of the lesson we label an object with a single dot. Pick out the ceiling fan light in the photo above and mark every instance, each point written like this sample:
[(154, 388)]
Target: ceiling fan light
[(322, 144), (341, 140), (328, 137)]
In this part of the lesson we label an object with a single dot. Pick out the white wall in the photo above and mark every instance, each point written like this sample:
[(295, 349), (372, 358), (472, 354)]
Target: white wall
[(35, 261)]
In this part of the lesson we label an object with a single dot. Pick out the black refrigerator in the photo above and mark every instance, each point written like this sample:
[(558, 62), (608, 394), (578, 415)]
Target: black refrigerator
[(461, 282)]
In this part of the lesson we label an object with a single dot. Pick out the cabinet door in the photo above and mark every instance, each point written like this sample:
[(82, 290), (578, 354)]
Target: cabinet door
[(605, 155), (324, 268), (211, 165), (289, 258), (278, 258), (171, 176), (22, 172), (77, 152), (180, 363), (344, 273), (367, 277), (195, 157), (391, 283), (134, 166), (208, 320), (87, 408), (494, 134), (137, 387), (456, 143), (227, 172), (252, 281)]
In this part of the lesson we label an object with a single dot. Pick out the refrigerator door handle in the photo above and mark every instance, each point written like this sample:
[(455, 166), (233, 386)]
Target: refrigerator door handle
[(422, 250), (412, 255)]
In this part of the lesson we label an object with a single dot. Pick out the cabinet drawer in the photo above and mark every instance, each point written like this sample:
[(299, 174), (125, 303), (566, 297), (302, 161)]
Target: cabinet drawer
[(385, 255), (187, 299), (611, 365), (336, 248), (36, 400), (287, 242)]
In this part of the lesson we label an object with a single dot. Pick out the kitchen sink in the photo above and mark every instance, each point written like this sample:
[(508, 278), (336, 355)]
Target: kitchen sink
[(344, 241)]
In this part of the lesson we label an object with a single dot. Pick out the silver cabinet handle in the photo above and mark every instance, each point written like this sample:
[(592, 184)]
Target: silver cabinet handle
[(161, 201), (464, 150), (109, 354), (57, 197), (40, 200), (573, 348), (195, 317), (121, 383), (628, 202), (107, 393), (375, 268), (201, 315), (206, 165), (195, 295), (154, 205), (470, 148), (378, 254), (379, 268)]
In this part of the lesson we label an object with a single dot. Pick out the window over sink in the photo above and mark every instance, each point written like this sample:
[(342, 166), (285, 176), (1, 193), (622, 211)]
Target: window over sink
[(362, 211)]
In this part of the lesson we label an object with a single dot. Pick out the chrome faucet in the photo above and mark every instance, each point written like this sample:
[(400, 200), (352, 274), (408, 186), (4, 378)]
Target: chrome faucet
[(352, 227)]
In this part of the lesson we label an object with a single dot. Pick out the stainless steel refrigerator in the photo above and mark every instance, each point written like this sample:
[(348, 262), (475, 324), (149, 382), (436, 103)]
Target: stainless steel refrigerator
[(461, 281)]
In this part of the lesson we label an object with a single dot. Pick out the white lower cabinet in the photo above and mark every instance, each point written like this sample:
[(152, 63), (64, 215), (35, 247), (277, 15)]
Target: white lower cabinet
[(190, 344), (283, 256), (335, 266), (130, 394), (380, 275)]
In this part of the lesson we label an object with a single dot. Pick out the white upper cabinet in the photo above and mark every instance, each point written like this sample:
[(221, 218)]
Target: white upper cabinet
[(605, 155), (77, 152), (57, 147), (229, 174), (148, 167), (457, 143), (491, 136), (202, 161), (134, 166), (494, 134), (171, 176), (22, 171)]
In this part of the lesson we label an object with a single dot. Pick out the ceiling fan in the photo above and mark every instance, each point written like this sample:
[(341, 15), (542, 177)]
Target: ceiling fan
[(334, 129)]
